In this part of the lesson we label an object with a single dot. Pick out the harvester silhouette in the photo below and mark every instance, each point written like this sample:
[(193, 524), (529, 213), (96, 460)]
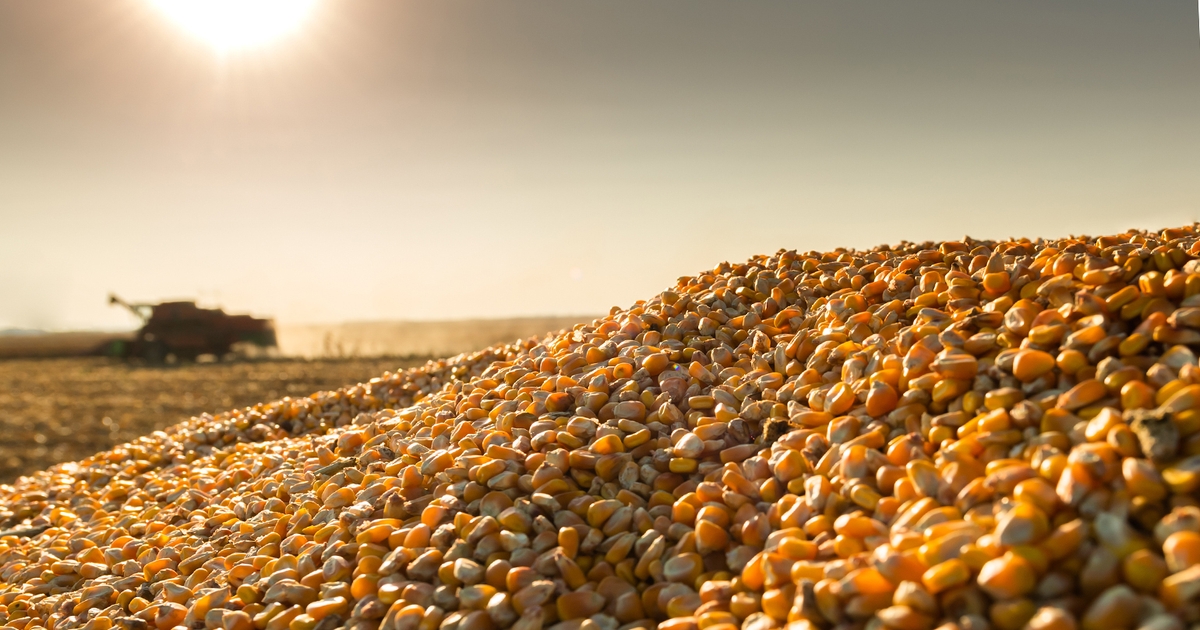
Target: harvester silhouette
[(187, 331)]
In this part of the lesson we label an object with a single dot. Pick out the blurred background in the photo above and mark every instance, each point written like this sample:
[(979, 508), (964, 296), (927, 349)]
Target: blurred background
[(405, 179)]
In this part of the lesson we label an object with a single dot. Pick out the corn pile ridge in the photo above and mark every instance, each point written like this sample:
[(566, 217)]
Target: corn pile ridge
[(961, 435)]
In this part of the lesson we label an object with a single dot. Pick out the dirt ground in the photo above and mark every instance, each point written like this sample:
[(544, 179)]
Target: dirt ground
[(55, 410)]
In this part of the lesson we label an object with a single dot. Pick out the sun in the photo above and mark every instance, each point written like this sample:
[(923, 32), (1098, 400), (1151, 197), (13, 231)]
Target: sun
[(229, 25)]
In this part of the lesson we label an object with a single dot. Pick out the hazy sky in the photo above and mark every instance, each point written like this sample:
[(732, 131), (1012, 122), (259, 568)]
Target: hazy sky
[(453, 158)]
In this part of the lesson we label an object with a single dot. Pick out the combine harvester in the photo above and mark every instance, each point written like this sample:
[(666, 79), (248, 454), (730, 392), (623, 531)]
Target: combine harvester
[(186, 331)]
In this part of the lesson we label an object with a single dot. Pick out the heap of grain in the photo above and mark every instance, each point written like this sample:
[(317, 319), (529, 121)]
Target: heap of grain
[(969, 435)]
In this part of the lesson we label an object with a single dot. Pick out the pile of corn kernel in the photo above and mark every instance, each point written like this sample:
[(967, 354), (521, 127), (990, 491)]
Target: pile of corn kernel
[(962, 435)]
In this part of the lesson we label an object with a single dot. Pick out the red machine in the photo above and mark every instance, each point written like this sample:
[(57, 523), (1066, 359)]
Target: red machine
[(186, 331)]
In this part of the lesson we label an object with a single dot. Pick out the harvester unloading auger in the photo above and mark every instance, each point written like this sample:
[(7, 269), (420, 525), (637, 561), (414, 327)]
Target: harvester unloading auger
[(186, 331)]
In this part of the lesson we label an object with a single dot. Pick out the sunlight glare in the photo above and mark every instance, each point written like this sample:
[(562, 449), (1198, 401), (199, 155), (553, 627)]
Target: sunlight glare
[(229, 25)]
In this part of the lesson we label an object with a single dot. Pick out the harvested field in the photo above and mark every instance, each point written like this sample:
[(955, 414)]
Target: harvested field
[(412, 338), (339, 341), (55, 410)]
